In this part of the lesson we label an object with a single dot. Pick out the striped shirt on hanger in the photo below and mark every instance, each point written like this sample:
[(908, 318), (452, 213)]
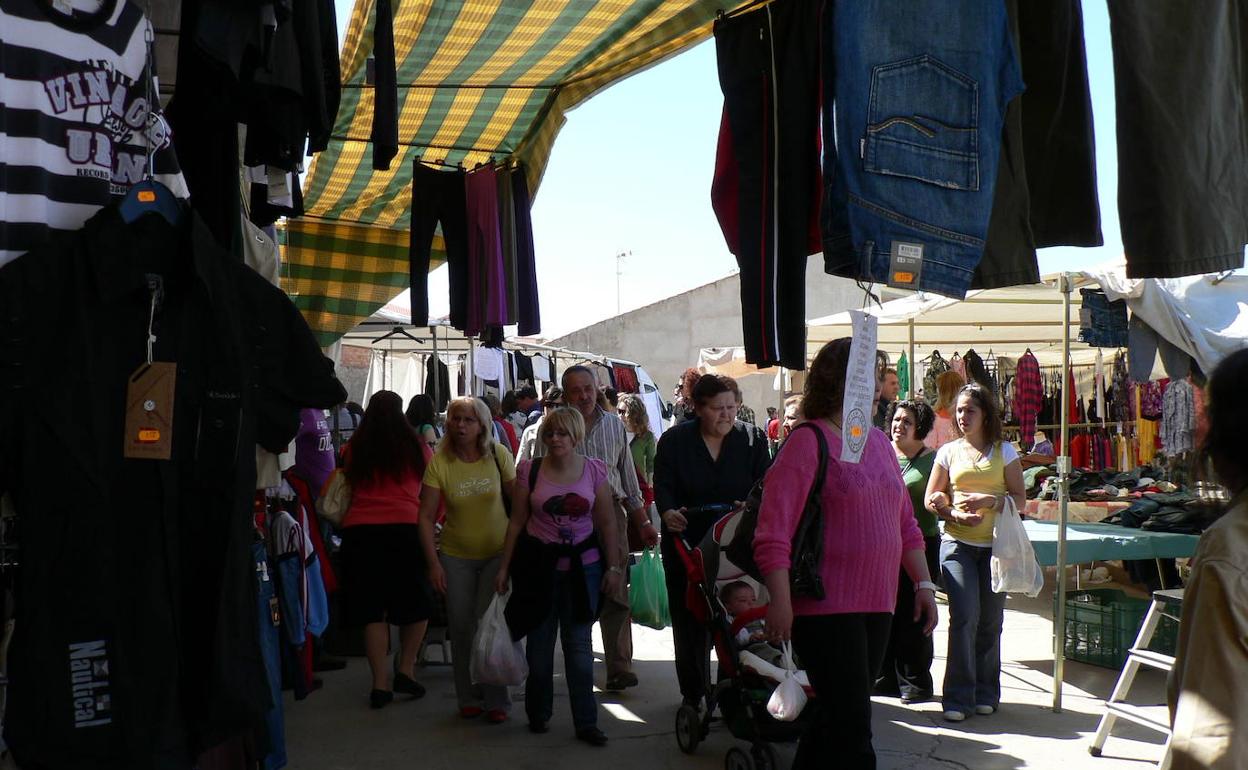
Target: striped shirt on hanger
[(75, 127)]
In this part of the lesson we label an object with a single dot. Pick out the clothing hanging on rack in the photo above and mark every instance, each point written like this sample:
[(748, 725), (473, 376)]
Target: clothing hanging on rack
[(1178, 419)]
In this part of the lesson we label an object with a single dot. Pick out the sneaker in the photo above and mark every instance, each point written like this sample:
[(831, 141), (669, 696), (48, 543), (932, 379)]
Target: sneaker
[(592, 735), (621, 681), (380, 698), (954, 716), (470, 712), (496, 716), (985, 710)]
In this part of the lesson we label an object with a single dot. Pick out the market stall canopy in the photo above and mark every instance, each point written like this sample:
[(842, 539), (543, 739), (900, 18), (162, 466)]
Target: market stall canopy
[(1006, 322), (478, 79), (730, 362)]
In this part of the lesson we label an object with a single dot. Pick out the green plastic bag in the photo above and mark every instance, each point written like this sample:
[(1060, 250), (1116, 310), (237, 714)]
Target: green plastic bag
[(647, 591)]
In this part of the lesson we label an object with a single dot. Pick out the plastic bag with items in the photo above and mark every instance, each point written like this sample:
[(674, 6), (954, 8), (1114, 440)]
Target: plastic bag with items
[(496, 659), (789, 698), (647, 591), (1015, 569)]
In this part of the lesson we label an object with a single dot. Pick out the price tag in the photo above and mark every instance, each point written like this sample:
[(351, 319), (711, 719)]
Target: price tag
[(905, 265), (859, 402), (149, 411)]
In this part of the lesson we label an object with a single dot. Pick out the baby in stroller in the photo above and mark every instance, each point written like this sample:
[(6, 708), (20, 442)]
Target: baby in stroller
[(738, 598)]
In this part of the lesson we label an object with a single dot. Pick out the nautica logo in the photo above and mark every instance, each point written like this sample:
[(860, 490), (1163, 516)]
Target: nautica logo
[(89, 683)]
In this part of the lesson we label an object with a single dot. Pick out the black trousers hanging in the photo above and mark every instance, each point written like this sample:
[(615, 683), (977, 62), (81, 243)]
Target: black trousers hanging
[(767, 178), (438, 196)]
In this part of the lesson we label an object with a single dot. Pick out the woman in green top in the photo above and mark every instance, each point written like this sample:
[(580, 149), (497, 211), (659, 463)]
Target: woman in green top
[(907, 669), (643, 443)]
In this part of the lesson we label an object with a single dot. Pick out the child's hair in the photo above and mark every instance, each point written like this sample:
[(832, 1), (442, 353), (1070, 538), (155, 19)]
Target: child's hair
[(727, 592)]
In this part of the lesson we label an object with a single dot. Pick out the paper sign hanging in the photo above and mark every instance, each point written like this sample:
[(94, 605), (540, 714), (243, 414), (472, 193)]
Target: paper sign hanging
[(859, 387)]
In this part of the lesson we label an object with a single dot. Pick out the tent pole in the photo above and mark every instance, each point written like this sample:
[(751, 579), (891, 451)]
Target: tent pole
[(437, 381), (469, 385), (910, 361), (1063, 492)]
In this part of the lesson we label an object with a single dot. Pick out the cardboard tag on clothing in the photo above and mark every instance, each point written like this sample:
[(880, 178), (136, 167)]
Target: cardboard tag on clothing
[(905, 265), (149, 411), (860, 378)]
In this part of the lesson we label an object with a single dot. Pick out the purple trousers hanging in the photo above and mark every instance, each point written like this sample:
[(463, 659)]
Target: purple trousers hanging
[(487, 282)]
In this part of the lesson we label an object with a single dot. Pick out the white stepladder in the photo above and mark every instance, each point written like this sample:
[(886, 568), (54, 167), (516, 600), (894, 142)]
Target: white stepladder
[(1167, 603)]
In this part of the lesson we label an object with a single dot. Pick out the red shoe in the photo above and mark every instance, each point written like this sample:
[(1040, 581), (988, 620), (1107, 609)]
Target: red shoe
[(470, 712), (496, 716)]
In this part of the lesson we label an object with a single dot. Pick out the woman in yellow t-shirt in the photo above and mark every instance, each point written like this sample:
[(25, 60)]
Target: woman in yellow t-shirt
[(970, 480), (470, 473)]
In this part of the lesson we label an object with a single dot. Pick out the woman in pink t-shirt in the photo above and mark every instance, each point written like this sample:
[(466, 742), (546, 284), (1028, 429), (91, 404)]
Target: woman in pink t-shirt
[(558, 554), (869, 531)]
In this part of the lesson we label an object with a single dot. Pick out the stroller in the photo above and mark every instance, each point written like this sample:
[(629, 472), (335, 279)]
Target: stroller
[(740, 693)]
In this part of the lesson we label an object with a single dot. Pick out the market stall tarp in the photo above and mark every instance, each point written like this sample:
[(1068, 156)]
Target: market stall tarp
[(1006, 322), (478, 79)]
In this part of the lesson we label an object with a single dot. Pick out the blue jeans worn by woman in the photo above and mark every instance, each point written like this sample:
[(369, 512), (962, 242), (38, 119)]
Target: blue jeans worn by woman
[(578, 655), (976, 613)]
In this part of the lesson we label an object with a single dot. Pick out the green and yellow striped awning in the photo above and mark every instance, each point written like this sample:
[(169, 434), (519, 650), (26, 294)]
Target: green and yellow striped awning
[(476, 80)]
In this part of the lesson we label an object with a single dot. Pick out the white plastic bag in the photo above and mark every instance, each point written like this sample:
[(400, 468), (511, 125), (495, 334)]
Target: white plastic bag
[(1015, 569), (788, 699), (496, 659)]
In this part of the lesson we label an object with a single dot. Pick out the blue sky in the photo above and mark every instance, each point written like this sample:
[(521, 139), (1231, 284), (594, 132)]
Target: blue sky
[(631, 172)]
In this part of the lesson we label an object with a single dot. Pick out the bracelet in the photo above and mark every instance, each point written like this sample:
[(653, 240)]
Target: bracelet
[(929, 585), (646, 523), (616, 568)]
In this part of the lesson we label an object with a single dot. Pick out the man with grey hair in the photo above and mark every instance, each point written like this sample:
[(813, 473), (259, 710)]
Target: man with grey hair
[(607, 440)]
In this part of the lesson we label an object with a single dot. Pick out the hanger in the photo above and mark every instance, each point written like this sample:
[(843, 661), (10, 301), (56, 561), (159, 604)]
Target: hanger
[(150, 196), (398, 331)]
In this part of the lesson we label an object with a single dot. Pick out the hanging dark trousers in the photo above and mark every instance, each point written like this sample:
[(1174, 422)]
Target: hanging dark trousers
[(438, 196)]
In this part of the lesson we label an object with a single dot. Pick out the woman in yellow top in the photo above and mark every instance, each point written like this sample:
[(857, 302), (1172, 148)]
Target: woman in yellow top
[(970, 480), (470, 473)]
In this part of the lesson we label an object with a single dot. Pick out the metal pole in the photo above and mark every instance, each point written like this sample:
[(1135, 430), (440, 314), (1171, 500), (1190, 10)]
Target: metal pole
[(469, 385), (1063, 492), (437, 381), (910, 362)]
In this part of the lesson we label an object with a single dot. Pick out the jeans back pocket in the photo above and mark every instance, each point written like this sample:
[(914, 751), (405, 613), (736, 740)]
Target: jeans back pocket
[(923, 124)]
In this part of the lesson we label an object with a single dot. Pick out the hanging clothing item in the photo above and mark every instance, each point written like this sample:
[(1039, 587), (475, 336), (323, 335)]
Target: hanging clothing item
[(487, 289), (1059, 145), (958, 364), (543, 369), (976, 371), (1178, 418), (384, 138), (524, 371), (1102, 410), (1102, 323), (1181, 214), (903, 375), (917, 111), (74, 120), (625, 378), (529, 312), (1143, 345), (268, 620), (766, 188), (171, 541), (438, 197), (1028, 396), (1123, 401), (507, 233), (488, 363), (438, 383)]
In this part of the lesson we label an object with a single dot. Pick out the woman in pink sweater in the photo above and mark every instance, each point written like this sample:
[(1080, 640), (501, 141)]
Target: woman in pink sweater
[(868, 531)]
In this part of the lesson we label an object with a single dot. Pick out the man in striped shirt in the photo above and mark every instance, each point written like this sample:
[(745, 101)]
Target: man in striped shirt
[(606, 439)]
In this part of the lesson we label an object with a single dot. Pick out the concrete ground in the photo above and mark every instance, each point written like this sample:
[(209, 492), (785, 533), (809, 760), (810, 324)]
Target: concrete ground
[(334, 729)]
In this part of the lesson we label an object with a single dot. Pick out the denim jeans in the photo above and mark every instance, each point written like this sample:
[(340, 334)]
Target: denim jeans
[(270, 650), (578, 655), (917, 109), (973, 664)]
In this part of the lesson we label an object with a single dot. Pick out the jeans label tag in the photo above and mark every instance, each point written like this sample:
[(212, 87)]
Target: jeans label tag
[(906, 265)]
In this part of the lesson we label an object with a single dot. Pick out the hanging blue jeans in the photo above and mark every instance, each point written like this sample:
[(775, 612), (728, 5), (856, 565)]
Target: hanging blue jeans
[(916, 103), (270, 650), (578, 656), (976, 613)]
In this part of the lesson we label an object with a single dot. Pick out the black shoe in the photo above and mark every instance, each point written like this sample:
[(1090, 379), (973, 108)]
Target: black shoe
[(408, 686), (918, 697), (329, 663), (380, 698), (621, 681), (592, 735), (539, 727)]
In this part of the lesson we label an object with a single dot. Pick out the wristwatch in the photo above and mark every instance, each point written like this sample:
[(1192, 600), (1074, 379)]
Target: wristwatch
[(926, 584), (616, 568)]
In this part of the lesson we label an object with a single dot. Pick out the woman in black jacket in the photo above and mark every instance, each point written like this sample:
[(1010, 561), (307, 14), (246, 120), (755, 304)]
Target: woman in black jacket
[(711, 460)]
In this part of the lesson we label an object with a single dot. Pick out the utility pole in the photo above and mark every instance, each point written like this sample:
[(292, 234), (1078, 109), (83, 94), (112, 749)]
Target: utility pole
[(619, 272)]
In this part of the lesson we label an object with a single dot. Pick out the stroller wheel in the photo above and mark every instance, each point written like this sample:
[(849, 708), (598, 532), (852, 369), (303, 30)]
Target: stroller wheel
[(738, 759), (765, 756), (688, 729)]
